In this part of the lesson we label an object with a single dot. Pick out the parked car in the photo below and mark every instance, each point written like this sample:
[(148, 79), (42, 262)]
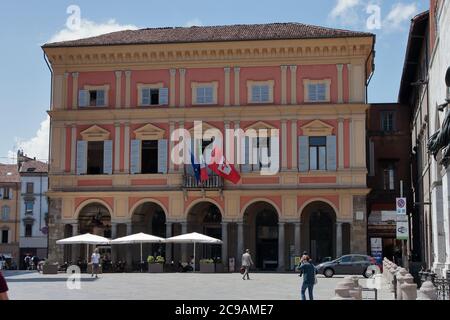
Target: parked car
[(352, 264)]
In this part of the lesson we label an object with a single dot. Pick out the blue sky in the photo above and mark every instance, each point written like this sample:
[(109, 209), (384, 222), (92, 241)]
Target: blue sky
[(24, 26)]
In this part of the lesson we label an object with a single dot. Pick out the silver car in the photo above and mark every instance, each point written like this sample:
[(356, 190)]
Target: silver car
[(352, 264)]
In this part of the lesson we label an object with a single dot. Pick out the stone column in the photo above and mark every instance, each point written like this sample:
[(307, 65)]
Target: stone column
[(341, 143), (340, 79), (172, 92), (240, 243), (168, 245), (338, 239), (225, 245), (284, 145), (446, 214), (281, 266), (171, 145), (65, 88), (437, 221), (129, 254), (75, 90), (227, 86), (294, 143), (237, 101), (127, 89), (297, 237), (180, 168), (113, 247), (75, 247), (73, 149), (237, 147), (283, 84), (117, 150), (182, 87), (126, 148), (184, 257), (118, 89), (293, 84)]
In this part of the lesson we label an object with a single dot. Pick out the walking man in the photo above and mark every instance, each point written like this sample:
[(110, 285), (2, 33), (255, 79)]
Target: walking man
[(247, 262), (308, 271), (95, 259)]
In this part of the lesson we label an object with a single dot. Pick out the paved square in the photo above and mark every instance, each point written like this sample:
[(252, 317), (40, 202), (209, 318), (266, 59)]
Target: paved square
[(170, 286)]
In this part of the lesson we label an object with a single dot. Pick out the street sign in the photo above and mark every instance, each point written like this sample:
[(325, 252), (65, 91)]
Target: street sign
[(402, 228), (376, 246), (401, 205)]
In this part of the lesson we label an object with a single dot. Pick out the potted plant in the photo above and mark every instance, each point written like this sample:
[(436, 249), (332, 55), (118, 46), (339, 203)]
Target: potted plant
[(219, 265), (50, 267), (155, 265), (207, 266)]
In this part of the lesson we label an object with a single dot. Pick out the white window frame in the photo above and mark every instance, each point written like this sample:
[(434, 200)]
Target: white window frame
[(90, 88), (251, 84), (148, 86), (308, 82), (197, 85)]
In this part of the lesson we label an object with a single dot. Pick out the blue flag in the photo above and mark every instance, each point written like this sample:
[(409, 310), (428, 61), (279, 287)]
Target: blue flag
[(195, 167)]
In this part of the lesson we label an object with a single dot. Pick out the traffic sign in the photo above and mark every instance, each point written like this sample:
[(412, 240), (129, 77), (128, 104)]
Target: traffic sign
[(402, 227), (401, 205)]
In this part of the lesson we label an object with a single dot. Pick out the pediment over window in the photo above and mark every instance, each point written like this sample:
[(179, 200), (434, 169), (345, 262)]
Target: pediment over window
[(317, 128), (149, 132), (261, 125), (205, 126), (95, 133)]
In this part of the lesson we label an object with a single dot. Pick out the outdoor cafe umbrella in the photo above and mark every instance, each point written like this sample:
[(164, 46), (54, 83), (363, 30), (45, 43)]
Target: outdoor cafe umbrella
[(87, 239), (138, 238), (194, 238)]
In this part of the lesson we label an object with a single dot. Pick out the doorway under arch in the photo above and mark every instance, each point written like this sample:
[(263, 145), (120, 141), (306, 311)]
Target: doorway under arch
[(261, 236), (318, 230), (150, 218)]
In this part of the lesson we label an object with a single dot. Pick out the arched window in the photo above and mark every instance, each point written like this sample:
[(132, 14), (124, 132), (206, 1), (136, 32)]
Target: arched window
[(5, 213)]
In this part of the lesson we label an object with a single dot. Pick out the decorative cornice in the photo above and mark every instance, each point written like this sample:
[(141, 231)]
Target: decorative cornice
[(219, 52)]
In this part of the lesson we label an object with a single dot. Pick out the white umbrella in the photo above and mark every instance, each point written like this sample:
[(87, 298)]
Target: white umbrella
[(194, 238), (138, 238), (87, 239)]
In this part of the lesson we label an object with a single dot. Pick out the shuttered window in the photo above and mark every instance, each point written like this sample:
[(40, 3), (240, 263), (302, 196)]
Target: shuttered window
[(260, 93), (317, 153), (154, 96), (205, 95), (317, 92), (92, 98)]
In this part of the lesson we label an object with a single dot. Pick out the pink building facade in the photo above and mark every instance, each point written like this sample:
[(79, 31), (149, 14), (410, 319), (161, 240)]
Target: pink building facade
[(116, 104)]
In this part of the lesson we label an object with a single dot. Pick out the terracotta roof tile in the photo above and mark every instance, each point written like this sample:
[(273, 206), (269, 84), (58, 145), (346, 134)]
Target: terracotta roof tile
[(271, 31), (34, 166), (9, 173)]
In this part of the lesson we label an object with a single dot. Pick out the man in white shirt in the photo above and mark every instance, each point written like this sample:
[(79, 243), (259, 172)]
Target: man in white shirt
[(247, 262), (95, 259)]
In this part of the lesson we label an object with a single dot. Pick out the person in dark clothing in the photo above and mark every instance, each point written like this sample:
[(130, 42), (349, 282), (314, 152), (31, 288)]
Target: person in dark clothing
[(3, 288), (35, 260), (308, 271)]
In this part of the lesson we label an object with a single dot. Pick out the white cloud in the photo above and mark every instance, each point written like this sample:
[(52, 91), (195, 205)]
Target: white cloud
[(194, 22), (400, 13), (89, 29), (347, 13), (37, 146), (342, 7)]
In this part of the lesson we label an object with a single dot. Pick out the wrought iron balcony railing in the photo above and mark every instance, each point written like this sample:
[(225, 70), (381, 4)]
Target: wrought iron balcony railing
[(213, 182)]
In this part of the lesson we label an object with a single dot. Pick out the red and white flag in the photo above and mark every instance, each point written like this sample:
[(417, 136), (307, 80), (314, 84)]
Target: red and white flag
[(222, 168)]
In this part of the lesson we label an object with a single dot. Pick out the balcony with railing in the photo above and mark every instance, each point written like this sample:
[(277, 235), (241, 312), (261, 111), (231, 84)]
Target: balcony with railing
[(213, 182)]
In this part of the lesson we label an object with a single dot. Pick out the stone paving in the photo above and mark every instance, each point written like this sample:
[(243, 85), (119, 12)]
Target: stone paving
[(171, 286)]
